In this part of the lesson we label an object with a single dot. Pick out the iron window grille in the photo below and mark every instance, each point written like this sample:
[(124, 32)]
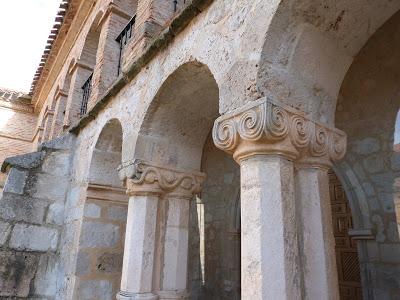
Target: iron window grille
[(123, 38), (87, 89)]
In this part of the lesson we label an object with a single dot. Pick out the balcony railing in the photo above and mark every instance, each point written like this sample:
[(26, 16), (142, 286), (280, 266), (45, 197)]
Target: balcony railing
[(123, 38), (87, 89)]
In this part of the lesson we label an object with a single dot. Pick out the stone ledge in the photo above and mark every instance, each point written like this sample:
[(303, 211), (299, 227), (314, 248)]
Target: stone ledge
[(34, 159), (24, 161), (62, 142)]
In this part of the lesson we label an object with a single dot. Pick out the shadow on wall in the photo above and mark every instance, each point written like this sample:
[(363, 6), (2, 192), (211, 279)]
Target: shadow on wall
[(214, 238), (367, 107)]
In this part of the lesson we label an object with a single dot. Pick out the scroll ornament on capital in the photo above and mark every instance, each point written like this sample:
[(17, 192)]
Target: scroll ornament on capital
[(142, 176), (265, 126)]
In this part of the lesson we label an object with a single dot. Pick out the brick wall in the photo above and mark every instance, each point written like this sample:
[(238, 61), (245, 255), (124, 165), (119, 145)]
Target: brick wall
[(16, 131)]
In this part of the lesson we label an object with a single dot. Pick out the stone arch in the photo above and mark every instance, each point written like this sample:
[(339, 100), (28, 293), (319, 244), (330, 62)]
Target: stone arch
[(101, 242), (65, 86), (309, 47), (312, 51), (176, 133), (107, 155), (89, 51), (367, 109), (179, 119)]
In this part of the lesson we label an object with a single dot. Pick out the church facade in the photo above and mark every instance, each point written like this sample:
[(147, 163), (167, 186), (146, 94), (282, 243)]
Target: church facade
[(209, 149)]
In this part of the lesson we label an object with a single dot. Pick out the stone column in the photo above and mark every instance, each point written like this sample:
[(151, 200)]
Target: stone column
[(145, 184), (317, 244), (265, 138), (173, 281), (139, 252)]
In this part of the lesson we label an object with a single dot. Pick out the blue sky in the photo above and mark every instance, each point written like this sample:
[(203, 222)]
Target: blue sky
[(24, 28)]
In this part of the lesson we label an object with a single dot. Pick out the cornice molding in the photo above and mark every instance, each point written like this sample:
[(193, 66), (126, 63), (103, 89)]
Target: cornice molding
[(268, 127), (148, 178)]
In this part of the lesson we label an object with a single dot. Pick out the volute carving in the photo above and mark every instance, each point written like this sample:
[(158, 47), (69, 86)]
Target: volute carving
[(264, 126), (146, 177)]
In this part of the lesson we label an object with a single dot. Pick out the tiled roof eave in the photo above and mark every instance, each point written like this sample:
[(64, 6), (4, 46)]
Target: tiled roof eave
[(51, 41)]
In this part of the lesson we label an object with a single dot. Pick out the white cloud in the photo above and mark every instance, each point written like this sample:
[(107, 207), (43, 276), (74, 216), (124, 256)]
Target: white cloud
[(24, 29)]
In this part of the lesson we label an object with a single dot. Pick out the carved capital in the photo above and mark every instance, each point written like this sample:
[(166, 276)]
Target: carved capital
[(268, 127), (144, 177)]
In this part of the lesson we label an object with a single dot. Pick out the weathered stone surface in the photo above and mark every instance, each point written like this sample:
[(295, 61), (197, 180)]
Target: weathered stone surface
[(308, 42), (5, 229), (57, 163), (367, 146), (117, 213), (63, 142), (390, 253), (95, 234), (16, 181), (82, 264), (50, 187), (46, 276), (25, 161), (92, 210), (109, 263), (33, 238), (17, 208), (17, 270), (95, 289), (55, 214)]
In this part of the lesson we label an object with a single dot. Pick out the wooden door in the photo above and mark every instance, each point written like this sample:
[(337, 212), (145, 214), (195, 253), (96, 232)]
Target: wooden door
[(346, 248)]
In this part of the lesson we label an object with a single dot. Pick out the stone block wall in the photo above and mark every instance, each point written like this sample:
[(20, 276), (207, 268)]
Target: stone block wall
[(101, 243), (31, 219)]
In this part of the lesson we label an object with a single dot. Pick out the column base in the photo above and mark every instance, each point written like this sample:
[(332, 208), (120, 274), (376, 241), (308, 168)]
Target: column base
[(181, 295), (136, 296)]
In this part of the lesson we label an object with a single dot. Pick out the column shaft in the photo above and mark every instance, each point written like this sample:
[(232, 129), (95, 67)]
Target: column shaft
[(317, 246), (137, 270), (269, 251), (175, 257)]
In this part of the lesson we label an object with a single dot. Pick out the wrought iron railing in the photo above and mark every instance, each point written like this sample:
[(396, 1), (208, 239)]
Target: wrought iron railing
[(87, 89), (123, 38)]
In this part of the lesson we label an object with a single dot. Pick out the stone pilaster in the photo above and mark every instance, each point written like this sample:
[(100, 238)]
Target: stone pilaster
[(151, 18), (146, 184), (107, 59), (80, 72), (266, 138), (60, 104), (317, 244), (48, 121)]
